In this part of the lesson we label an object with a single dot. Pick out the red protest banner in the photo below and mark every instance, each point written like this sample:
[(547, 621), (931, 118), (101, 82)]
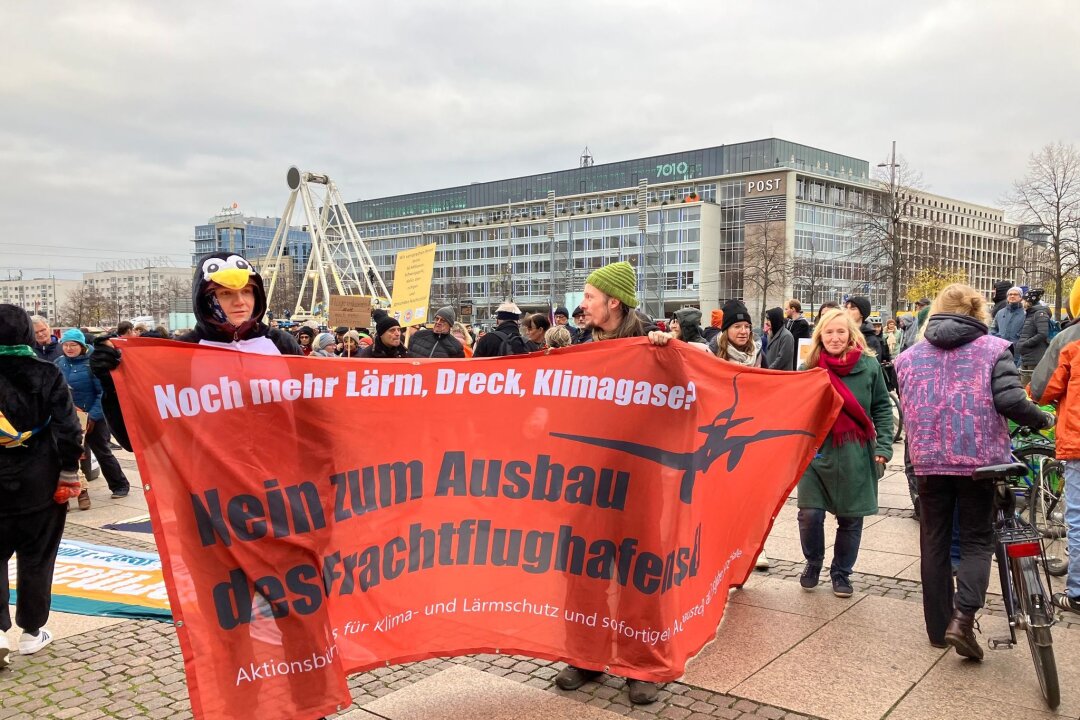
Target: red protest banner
[(317, 518)]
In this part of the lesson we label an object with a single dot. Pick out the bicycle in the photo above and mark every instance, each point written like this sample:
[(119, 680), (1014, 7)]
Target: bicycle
[(1046, 504), (1021, 565)]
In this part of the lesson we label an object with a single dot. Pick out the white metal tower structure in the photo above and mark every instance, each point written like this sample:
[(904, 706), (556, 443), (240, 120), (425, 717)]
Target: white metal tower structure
[(339, 262)]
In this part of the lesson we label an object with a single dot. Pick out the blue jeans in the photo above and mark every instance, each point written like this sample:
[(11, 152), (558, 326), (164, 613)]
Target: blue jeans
[(1072, 524), (845, 549)]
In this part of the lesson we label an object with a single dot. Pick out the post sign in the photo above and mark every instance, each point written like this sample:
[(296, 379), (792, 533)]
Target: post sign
[(353, 311), (411, 297)]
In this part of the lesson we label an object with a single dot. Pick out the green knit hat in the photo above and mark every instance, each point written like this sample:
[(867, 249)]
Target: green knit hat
[(617, 280)]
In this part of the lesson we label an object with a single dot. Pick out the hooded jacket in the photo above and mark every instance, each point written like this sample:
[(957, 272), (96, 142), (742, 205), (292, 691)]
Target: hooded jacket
[(33, 395), (1001, 295), (961, 372), (210, 328), (690, 326), (1034, 335), (780, 352), (874, 342)]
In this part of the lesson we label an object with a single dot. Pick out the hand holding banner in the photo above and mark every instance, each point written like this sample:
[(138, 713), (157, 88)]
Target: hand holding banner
[(593, 504)]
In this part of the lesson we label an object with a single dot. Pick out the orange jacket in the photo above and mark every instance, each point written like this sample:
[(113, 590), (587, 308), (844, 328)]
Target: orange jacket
[(1057, 380)]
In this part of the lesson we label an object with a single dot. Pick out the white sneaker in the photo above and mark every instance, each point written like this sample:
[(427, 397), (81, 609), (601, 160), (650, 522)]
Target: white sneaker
[(5, 650), (762, 562), (30, 644)]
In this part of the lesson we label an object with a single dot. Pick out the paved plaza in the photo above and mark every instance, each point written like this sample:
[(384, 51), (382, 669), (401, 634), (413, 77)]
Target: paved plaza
[(780, 652)]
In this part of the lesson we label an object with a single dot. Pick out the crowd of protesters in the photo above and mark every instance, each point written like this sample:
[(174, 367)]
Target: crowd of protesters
[(59, 407)]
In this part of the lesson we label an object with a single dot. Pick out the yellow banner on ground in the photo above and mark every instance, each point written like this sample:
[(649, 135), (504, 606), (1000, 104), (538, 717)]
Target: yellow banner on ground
[(411, 297)]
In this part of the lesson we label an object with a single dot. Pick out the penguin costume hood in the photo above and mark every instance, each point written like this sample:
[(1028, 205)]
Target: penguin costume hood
[(212, 326)]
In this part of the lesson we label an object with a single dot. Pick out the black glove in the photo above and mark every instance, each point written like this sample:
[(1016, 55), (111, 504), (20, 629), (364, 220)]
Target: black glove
[(104, 359), (1050, 420)]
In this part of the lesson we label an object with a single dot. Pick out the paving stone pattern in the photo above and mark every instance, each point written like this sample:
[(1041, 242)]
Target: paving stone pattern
[(134, 669)]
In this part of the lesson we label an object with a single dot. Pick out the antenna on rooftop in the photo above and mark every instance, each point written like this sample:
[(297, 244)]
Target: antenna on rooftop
[(586, 158)]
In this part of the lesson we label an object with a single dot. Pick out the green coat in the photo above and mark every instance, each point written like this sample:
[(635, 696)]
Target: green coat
[(844, 479)]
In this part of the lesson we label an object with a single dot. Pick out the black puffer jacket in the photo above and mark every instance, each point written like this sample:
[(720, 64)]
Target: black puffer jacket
[(1034, 335), (948, 331), (427, 344), (33, 394)]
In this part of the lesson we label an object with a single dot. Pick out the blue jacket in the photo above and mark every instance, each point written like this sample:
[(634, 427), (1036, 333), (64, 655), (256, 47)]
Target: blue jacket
[(85, 388), (1008, 322)]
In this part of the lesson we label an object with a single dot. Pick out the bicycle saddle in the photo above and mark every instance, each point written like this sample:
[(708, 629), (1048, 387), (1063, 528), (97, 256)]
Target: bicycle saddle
[(1007, 470)]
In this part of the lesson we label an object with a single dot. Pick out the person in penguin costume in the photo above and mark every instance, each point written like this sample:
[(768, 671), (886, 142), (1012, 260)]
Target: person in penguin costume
[(230, 302)]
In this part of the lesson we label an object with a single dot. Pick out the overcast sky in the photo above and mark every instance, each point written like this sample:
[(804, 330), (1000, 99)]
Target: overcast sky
[(125, 124)]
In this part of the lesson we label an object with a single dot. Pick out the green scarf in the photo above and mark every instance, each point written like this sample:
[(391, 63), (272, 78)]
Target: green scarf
[(16, 351)]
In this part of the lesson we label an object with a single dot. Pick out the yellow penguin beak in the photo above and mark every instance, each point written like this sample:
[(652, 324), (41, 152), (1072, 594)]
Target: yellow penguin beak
[(232, 278)]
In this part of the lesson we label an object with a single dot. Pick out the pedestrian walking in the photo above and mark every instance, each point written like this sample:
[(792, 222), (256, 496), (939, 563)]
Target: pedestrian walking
[(86, 393), (957, 389), (843, 477), (40, 446)]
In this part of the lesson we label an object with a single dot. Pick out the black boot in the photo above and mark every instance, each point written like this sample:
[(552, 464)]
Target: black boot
[(571, 678), (961, 635)]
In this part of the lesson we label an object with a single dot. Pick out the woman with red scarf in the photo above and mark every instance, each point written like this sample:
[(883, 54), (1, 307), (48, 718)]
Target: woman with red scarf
[(843, 477)]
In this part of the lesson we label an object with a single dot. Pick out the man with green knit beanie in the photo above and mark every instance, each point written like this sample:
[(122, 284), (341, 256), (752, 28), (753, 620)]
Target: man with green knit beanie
[(610, 299)]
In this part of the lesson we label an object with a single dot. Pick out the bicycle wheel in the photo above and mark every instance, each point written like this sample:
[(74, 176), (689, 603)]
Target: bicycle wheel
[(1035, 605), (1046, 506)]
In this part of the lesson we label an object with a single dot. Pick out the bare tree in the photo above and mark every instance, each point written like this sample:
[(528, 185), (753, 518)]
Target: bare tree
[(808, 270), (1048, 197), (887, 229), (766, 266), (86, 306)]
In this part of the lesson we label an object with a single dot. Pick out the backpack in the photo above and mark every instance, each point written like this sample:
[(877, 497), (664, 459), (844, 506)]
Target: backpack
[(1054, 328), (511, 344)]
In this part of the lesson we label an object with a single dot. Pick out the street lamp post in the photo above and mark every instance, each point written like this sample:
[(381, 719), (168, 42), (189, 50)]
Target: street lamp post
[(894, 285)]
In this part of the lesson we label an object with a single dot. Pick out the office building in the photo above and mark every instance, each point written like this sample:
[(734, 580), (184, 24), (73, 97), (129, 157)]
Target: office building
[(40, 296)]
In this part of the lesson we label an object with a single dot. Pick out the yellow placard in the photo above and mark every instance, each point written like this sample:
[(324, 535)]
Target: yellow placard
[(411, 296)]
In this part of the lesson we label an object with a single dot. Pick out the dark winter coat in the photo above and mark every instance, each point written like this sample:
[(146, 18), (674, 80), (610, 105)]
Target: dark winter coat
[(876, 343), (49, 351), (780, 352), (378, 351), (85, 388), (799, 329), (488, 346), (427, 344), (843, 479), (1000, 297), (33, 394), (1034, 335)]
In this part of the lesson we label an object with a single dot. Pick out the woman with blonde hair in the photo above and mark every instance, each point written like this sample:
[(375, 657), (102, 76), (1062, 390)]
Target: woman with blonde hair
[(459, 331), (843, 476), (557, 336), (956, 389)]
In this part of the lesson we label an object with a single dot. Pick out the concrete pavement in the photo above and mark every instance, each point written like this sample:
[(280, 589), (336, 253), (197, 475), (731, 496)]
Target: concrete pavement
[(779, 653)]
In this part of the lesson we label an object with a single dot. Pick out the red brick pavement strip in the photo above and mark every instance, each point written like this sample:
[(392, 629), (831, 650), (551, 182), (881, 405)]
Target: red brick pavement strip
[(134, 669)]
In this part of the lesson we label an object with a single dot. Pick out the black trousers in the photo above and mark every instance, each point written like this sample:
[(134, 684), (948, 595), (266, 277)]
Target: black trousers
[(97, 442), (34, 539), (973, 504)]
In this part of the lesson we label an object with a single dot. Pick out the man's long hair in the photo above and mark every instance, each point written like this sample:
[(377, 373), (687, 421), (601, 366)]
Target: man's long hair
[(631, 326)]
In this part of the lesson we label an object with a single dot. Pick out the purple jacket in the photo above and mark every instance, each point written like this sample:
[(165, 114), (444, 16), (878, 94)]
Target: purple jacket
[(948, 400)]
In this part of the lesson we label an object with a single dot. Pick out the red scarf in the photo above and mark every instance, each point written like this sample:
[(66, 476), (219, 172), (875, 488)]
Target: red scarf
[(852, 424)]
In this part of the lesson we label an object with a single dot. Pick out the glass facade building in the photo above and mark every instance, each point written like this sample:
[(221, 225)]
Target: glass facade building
[(693, 224), (231, 231)]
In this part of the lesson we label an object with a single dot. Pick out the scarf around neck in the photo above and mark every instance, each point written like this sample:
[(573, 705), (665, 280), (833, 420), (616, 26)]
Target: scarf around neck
[(749, 359), (17, 351), (852, 424)]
